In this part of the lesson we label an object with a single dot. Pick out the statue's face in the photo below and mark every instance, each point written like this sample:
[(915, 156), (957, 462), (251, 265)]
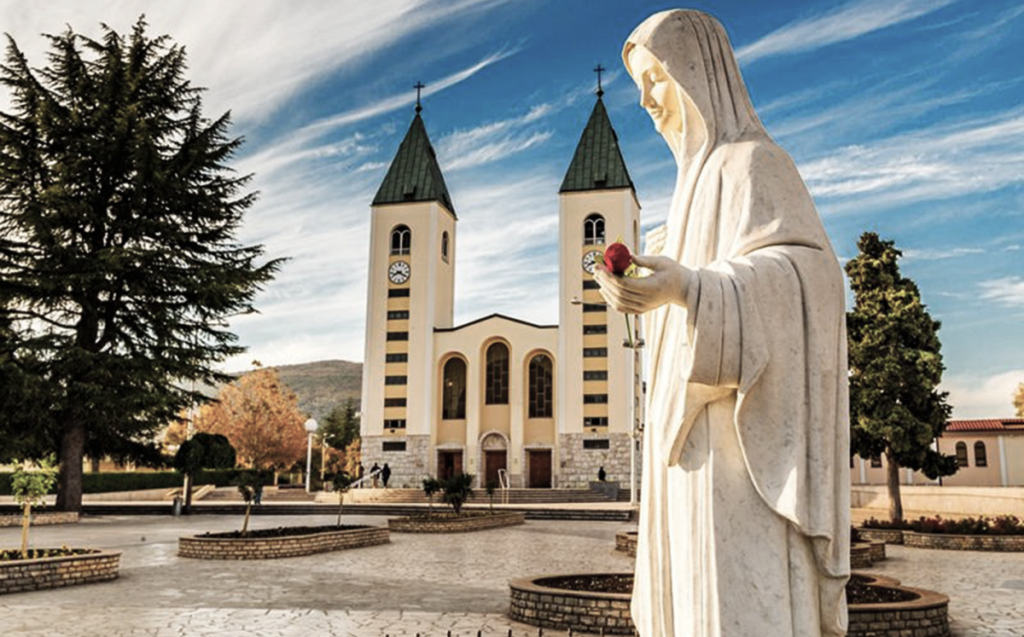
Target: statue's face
[(658, 92)]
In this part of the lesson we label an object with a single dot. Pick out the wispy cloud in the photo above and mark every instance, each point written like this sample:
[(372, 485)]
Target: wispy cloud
[(941, 161), (935, 254), (845, 23), (301, 144), (492, 141), (1008, 291), (979, 396), (254, 56)]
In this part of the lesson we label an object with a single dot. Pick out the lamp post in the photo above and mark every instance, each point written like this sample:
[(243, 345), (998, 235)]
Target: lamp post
[(311, 427)]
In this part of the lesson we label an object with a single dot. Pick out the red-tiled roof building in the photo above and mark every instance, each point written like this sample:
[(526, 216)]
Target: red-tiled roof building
[(990, 452)]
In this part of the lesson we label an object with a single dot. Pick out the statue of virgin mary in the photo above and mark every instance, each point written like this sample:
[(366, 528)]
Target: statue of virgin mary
[(744, 519)]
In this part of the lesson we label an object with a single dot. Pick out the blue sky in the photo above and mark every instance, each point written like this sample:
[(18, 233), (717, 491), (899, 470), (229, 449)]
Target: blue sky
[(905, 117)]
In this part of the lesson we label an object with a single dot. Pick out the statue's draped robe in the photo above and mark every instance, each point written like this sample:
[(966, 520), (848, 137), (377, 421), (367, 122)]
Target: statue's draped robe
[(744, 527)]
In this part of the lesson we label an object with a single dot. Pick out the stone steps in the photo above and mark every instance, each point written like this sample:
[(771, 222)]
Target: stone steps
[(229, 508)]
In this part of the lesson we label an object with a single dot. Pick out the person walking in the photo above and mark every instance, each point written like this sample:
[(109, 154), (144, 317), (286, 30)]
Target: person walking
[(375, 472), (385, 474)]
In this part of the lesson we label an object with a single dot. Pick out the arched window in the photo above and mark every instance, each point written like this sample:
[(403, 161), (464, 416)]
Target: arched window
[(444, 246), (961, 454), (401, 240), (980, 455), (541, 387), (453, 392), (497, 374), (593, 230)]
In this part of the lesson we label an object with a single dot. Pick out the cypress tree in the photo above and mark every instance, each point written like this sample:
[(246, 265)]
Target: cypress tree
[(118, 215), (895, 368)]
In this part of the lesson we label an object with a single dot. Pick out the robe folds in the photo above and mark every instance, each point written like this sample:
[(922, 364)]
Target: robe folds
[(744, 525)]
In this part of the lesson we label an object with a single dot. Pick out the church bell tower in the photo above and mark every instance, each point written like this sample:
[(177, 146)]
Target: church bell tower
[(598, 375), (409, 293)]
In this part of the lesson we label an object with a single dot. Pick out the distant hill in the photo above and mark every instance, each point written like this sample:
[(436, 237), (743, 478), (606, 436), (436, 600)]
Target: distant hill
[(320, 386), (323, 385)]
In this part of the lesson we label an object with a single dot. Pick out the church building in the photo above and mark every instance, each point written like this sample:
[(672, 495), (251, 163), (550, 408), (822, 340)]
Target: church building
[(498, 397)]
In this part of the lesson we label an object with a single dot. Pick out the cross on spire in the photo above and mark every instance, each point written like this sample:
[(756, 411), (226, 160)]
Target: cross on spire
[(599, 69), (418, 86)]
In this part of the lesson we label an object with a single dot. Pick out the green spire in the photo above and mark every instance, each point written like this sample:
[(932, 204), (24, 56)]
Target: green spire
[(414, 174), (598, 163)]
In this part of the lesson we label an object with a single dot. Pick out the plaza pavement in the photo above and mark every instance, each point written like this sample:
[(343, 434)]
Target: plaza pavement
[(426, 584)]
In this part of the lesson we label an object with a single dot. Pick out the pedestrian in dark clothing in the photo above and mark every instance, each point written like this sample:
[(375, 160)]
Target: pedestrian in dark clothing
[(385, 474), (374, 472), (601, 475), (359, 475), (257, 497)]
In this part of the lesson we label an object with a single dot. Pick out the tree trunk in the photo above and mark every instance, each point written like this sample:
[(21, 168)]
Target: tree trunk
[(69, 479), (245, 524), (341, 500), (893, 482), (26, 520)]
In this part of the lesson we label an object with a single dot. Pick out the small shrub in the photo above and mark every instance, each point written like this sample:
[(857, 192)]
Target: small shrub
[(430, 487), (982, 525), (457, 489)]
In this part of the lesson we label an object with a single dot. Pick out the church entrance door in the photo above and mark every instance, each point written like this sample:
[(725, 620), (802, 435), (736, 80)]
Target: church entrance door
[(495, 457), (494, 461), (449, 463), (540, 469)]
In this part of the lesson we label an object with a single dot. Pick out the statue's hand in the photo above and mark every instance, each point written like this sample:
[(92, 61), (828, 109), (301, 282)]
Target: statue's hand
[(667, 283)]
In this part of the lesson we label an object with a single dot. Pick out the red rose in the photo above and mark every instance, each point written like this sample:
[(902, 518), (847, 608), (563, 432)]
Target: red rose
[(617, 258)]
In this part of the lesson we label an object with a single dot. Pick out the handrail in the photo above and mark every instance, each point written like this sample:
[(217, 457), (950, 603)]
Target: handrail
[(369, 476), (504, 484)]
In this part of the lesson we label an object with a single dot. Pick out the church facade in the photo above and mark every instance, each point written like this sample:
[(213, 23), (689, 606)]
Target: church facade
[(540, 405)]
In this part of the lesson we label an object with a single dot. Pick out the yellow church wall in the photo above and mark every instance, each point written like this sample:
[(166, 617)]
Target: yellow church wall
[(620, 211), (470, 342), (451, 432), (539, 431), (430, 301)]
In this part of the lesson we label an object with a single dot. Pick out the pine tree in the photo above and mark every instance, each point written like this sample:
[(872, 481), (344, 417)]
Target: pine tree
[(118, 215), (341, 427), (896, 365)]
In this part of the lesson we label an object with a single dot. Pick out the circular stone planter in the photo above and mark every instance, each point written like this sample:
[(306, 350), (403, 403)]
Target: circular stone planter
[(542, 601), (860, 555), (545, 601), (41, 519), (625, 541), (925, 614), (266, 548), (53, 572), (950, 542), (474, 521), (888, 536)]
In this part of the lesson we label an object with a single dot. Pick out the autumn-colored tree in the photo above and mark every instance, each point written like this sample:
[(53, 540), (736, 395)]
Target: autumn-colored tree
[(175, 434), (1018, 400), (261, 418)]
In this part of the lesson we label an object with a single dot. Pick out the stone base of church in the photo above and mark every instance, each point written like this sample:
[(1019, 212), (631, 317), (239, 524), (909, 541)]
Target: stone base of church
[(408, 466), (579, 465)]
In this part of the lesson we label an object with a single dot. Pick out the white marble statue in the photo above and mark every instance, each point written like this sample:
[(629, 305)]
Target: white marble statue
[(744, 521)]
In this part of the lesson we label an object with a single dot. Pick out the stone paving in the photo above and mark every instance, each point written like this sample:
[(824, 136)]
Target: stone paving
[(418, 584)]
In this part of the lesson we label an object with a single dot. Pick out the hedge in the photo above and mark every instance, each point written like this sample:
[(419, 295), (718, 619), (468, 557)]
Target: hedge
[(108, 482)]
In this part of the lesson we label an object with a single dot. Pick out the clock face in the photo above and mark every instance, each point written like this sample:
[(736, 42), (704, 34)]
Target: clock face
[(590, 258), (399, 272)]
